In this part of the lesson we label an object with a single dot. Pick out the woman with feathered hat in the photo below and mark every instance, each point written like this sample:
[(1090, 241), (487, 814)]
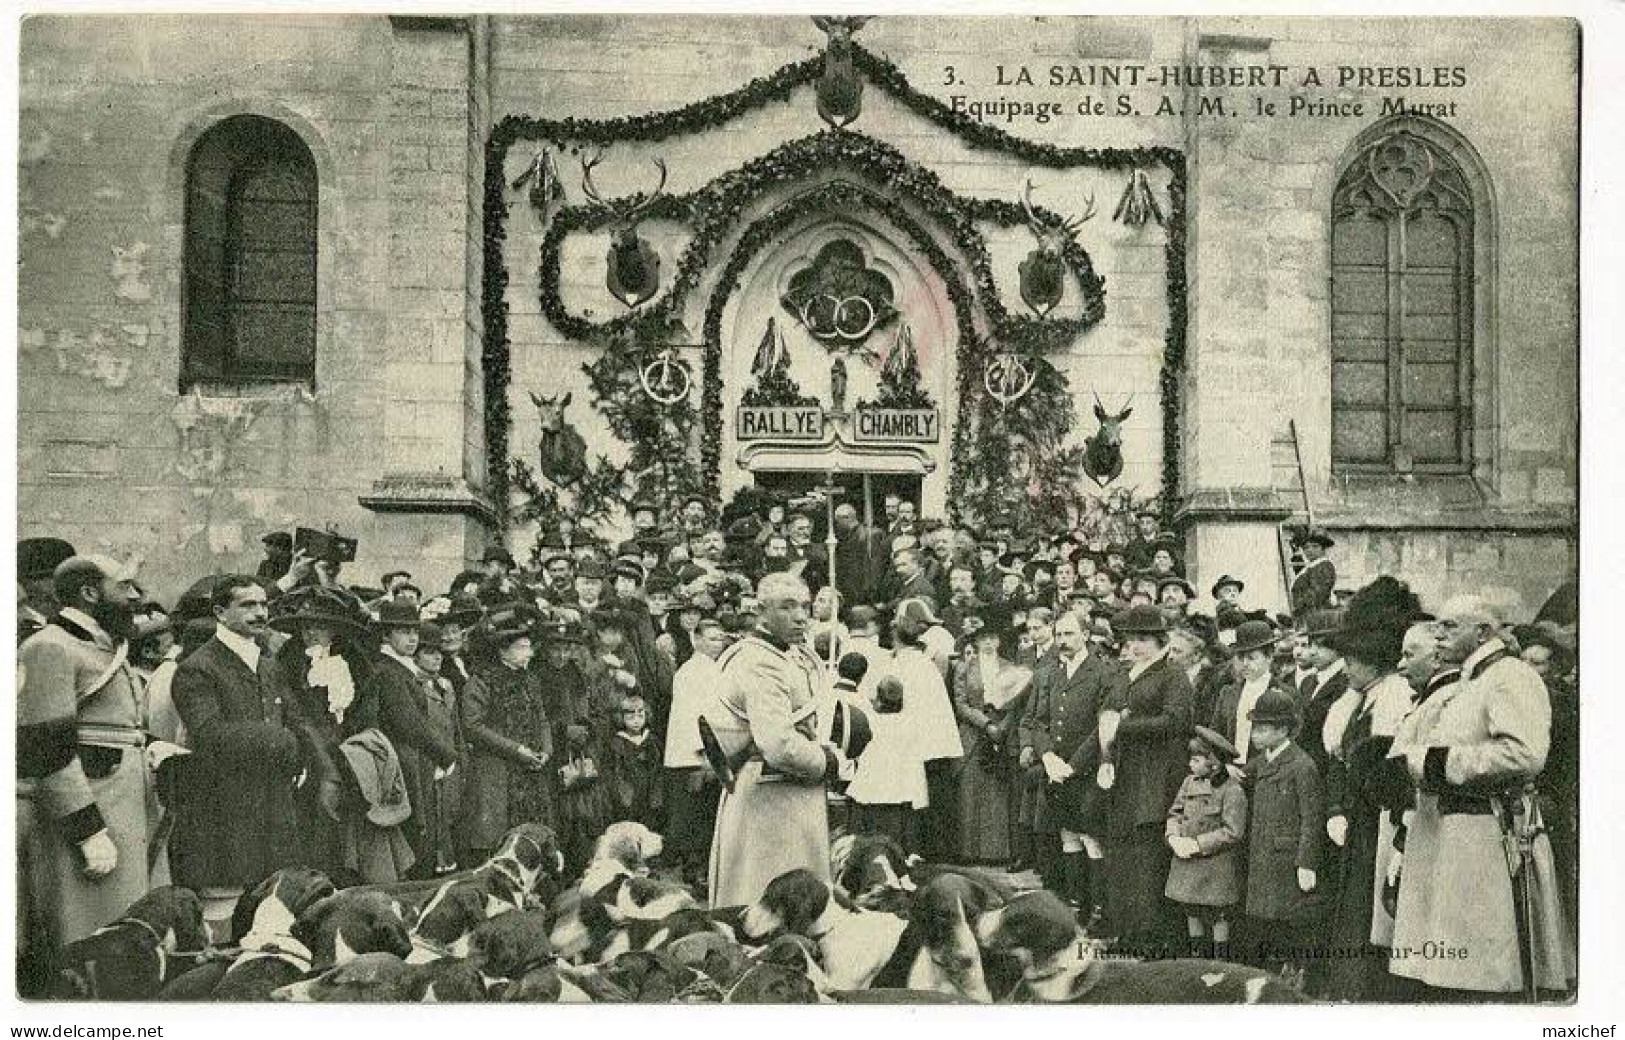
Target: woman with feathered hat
[(989, 693), (1359, 782), (324, 671)]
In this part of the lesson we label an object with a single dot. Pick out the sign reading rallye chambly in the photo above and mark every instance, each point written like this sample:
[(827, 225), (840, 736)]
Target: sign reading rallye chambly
[(869, 426)]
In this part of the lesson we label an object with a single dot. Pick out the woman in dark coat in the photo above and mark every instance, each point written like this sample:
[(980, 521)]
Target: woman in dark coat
[(1146, 762), (1360, 782), (989, 694), (510, 737), (582, 723), (324, 671)]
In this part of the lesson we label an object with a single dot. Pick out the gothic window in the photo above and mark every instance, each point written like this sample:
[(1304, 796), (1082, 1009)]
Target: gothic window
[(1402, 301), (250, 279)]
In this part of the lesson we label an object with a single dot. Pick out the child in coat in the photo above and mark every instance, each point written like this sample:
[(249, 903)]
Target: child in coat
[(1205, 827), (1283, 847), (890, 781), (636, 763)]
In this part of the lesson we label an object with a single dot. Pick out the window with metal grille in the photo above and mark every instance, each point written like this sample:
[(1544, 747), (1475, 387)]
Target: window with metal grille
[(1402, 323), (250, 286)]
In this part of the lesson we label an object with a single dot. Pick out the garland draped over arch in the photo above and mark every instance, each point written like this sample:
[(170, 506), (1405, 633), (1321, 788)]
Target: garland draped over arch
[(989, 443)]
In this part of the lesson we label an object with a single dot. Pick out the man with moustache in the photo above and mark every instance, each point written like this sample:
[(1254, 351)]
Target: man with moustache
[(84, 790), (238, 823), (1471, 750), (774, 817)]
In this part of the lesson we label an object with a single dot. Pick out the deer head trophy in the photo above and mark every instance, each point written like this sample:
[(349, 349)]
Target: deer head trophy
[(1043, 272), (840, 90), (563, 451), (1103, 452), (634, 266)]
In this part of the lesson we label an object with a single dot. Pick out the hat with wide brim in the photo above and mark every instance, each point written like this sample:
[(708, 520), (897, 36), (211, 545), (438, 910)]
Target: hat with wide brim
[(1254, 635), (1230, 580), (465, 610), (1322, 623), (398, 614), (322, 606), (1175, 581), (1140, 621), (38, 557)]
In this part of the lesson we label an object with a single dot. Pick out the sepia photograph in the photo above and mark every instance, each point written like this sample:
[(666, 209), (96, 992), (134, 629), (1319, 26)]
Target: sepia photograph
[(703, 508)]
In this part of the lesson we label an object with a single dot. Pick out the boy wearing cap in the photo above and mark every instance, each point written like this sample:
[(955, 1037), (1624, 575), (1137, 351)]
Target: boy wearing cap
[(1206, 824), (398, 686), (1283, 848)]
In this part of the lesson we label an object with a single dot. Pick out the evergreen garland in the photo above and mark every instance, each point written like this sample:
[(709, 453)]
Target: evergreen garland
[(712, 212)]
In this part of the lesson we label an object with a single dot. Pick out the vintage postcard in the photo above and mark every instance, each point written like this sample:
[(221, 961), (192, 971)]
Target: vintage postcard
[(703, 508)]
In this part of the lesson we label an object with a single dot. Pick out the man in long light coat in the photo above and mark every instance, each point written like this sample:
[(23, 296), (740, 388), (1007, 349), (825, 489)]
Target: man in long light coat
[(1470, 748), (86, 802), (775, 819)]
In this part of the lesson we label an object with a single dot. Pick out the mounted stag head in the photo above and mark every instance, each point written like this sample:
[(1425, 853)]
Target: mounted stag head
[(563, 451), (1103, 452), (634, 266), (1043, 272), (840, 90)]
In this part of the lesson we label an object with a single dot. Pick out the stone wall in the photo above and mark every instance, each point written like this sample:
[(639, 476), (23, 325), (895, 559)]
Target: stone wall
[(1260, 322), (111, 455)]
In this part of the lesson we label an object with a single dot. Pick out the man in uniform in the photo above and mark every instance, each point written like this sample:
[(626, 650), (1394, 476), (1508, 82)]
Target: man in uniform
[(775, 818), (1471, 748), (1312, 588), (85, 799)]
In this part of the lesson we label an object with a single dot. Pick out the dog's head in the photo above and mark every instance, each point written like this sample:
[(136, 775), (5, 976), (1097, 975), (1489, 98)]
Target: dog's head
[(534, 848), (772, 984), (792, 903), (510, 945), (174, 913), (159, 938), (278, 901), (347, 924), (720, 958), (372, 978), (1033, 926), (651, 900), (873, 871), (630, 844), (650, 975), (448, 918), (948, 902)]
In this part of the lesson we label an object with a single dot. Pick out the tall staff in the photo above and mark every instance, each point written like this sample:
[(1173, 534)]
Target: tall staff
[(831, 491)]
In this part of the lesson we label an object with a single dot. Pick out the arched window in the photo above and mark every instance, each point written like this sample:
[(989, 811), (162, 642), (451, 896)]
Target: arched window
[(250, 289), (1402, 309)]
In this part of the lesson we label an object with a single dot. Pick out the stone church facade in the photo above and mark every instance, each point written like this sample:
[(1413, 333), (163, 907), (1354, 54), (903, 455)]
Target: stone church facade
[(1384, 304)]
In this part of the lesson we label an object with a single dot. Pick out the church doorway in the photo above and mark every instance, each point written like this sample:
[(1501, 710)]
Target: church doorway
[(867, 491)]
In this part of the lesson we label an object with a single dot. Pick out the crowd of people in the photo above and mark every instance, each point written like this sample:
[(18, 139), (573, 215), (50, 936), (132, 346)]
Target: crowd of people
[(1373, 795)]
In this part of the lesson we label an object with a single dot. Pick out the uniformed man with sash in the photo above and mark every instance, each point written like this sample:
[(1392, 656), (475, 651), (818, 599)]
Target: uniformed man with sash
[(85, 802)]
